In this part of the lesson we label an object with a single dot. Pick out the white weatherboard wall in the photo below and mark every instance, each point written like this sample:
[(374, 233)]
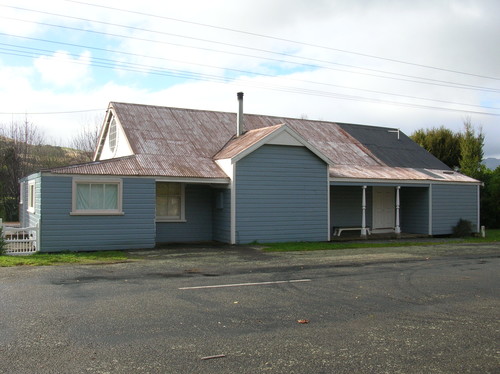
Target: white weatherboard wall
[(281, 195), (122, 145)]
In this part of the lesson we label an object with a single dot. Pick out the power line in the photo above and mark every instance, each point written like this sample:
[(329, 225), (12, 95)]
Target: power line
[(228, 44), (445, 83), (288, 89), (51, 113), (144, 68), (126, 66), (283, 39), (219, 43)]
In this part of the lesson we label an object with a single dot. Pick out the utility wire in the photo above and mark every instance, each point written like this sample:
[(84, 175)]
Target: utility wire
[(23, 51), (40, 113), (281, 88), (446, 84), (224, 44), (281, 39)]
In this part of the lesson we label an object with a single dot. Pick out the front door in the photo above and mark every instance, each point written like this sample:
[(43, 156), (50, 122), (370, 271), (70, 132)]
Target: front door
[(384, 209)]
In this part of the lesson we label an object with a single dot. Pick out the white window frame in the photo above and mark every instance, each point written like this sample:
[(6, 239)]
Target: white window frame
[(182, 217), (97, 212), (31, 196), (113, 134)]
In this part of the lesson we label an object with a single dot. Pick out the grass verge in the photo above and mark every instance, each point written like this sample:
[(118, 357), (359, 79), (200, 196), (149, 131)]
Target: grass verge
[(46, 259), (491, 237)]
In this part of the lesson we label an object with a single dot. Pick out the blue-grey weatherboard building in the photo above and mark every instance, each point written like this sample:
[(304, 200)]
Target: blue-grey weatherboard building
[(163, 175)]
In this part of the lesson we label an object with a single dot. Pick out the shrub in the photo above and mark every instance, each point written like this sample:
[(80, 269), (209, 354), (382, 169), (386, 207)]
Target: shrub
[(463, 228)]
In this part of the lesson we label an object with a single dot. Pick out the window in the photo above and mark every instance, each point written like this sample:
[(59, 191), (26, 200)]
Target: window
[(169, 201), (31, 196), (97, 197), (112, 135)]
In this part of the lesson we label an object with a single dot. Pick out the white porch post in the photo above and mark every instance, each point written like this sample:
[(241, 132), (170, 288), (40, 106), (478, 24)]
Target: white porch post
[(363, 214), (397, 229)]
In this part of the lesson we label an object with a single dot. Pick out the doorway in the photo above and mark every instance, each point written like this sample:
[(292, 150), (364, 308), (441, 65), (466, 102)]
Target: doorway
[(384, 209)]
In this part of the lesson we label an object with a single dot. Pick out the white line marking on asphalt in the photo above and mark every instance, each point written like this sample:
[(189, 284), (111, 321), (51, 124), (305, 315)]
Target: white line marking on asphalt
[(244, 284)]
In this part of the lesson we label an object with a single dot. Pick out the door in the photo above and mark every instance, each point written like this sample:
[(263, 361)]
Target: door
[(384, 208)]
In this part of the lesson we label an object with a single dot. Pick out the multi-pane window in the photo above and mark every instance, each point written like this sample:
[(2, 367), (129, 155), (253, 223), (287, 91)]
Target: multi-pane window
[(112, 135), (96, 197), (169, 201)]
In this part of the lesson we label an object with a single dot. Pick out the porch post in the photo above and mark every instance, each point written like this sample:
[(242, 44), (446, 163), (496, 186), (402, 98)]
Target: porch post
[(363, 214), (397, 229)]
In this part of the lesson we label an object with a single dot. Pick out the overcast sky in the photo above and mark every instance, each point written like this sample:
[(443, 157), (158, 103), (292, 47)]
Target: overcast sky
[(402, 64)]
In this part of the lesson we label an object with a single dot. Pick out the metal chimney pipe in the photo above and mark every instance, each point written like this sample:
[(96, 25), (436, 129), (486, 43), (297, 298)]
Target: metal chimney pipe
[(239, 120)]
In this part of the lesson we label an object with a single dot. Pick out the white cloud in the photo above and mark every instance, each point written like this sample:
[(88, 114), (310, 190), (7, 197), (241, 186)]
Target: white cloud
[(453, 35), (62, 70)]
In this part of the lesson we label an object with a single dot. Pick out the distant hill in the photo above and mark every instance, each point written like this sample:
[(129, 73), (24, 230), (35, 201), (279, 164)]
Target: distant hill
[(491, 163), (46, 156)]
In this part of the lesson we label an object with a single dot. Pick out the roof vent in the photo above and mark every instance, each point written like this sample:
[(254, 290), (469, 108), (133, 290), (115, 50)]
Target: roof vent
[(239, 120), (397, 131), (448, 172)]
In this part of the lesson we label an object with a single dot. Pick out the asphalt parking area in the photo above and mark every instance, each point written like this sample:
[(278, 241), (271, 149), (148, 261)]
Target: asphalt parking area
[(423, 310)]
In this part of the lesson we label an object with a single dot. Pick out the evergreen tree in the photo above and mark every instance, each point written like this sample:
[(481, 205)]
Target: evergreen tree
[(471, 151), (442, 143)]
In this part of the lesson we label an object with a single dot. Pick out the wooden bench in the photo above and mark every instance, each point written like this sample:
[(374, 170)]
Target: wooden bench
[(338, 230)]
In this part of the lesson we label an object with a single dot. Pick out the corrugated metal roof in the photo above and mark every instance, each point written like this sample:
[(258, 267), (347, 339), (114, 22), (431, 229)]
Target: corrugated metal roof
[(174, 131), (175, 142), (149, 165), (245, 141), (397, 173)]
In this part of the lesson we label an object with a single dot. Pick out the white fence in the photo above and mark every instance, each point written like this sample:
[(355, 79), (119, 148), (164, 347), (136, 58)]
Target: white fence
[(20, 240)]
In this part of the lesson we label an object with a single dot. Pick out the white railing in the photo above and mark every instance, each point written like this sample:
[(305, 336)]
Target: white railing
[(20, 240)]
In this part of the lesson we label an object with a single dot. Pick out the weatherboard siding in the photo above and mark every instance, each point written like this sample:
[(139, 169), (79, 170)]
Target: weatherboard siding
[(26, 218), (198, 214), (346, 206), (62, 231), (281, 195), (414, 210), (451, 203), (222, 215)]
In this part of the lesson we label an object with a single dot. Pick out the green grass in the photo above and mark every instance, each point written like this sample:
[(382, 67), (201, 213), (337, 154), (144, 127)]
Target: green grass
[(491, 237), (46, 259)]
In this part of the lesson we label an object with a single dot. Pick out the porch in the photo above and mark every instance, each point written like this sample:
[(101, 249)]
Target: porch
[(378, 211)]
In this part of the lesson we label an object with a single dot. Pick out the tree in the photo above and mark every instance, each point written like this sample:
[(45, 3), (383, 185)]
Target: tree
[(18, 158), (86, 140), (471, 151), (442, 143), (22, 152), (464, 151), (490, 199)]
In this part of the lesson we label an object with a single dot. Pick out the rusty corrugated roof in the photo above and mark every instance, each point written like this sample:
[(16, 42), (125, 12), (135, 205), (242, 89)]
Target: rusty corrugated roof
[(397, 173), (239, 144), (174, 142), (149, 165)]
